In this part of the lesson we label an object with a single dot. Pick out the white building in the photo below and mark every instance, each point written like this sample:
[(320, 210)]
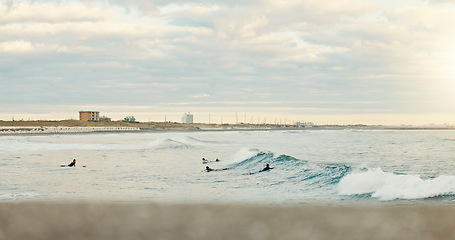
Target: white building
[(187, 118)]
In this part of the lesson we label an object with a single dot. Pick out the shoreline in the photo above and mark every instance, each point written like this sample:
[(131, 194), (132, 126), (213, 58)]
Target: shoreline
[(77, 127), (101, 220), (8, 131)]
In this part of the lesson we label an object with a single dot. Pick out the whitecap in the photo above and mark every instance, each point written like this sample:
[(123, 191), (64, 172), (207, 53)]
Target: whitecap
[(389, 186)]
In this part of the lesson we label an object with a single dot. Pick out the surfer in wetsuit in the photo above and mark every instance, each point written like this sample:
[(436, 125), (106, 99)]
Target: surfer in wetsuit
[(72, 164), (263, 170), (266, 168), (204, 160), (208, 169)]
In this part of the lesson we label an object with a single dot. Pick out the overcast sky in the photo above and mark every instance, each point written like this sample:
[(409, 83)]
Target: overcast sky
[(324, 61)]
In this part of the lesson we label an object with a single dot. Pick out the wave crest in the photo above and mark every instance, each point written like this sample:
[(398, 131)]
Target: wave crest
[(389, 186)]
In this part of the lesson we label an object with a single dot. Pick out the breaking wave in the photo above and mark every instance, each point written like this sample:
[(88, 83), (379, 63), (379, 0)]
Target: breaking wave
[(389, 186), (343, 179)]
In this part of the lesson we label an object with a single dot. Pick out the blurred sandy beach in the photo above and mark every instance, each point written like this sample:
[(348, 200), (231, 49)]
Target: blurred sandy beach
[(44, 220)]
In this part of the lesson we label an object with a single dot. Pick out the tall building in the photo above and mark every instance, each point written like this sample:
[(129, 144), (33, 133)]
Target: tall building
[(89, 116), (187, 118)]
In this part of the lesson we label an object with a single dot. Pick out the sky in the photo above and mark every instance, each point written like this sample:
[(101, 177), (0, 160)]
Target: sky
[(322, 61)]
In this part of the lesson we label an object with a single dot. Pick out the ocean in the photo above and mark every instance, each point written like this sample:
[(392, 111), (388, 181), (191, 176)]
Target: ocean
[(309, 167)]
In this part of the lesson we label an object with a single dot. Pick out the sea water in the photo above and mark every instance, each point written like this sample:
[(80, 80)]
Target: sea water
[(309, 166)]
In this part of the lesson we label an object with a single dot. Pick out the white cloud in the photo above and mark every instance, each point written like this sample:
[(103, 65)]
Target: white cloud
[(51, 12), (146, 7), (198, 96), (442, 1), (19, 46)]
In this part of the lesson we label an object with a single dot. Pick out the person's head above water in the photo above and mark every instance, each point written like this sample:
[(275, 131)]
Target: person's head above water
[(268, 165), (207, 167)]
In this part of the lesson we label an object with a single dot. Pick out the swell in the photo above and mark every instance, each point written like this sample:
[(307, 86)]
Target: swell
[(179, 143), (295, 171)]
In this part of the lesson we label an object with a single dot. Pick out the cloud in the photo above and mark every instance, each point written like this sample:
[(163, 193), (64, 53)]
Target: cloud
[(309, 54), (21, 12), (198, 96), (145, 7), (442, 1), (16, 47)]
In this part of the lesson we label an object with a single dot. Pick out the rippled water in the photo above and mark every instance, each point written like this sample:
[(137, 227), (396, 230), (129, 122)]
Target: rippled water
[(310, 166)]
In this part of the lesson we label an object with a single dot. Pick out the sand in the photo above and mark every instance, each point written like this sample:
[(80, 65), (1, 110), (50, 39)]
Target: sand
[(28, 220)]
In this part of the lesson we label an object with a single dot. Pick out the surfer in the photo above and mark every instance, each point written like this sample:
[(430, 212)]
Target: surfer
[(266, 168), (209, 169), (72, 164), (204, 160)]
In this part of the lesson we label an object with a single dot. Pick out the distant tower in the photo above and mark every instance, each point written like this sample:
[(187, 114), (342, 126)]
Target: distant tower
[(187, 118)]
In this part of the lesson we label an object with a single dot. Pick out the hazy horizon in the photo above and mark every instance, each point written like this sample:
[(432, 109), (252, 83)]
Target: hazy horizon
[(233, 118)]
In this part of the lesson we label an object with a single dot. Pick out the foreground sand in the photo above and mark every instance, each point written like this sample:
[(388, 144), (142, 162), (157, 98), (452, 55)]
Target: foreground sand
[(154, 221)]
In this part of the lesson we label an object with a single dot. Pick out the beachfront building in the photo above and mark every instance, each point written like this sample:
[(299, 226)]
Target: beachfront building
[(129, 119), (187, 118), (89, 116)]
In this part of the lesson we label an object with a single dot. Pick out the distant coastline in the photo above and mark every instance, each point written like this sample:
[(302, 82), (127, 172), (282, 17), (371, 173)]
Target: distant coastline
[(76, 126)]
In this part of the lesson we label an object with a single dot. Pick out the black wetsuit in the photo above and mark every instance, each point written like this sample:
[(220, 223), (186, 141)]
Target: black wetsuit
[(211, 169), (72, 164), (266, 169)]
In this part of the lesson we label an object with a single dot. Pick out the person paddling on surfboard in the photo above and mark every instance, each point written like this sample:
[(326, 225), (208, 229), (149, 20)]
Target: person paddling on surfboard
[(208, 169), (204, 160), (266, 168), (72, 164)]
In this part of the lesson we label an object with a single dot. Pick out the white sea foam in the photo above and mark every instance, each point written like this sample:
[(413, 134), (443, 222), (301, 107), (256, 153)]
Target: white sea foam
[(177, 139), (18, 196), (242, 154), (157, 143), (388, 186)]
